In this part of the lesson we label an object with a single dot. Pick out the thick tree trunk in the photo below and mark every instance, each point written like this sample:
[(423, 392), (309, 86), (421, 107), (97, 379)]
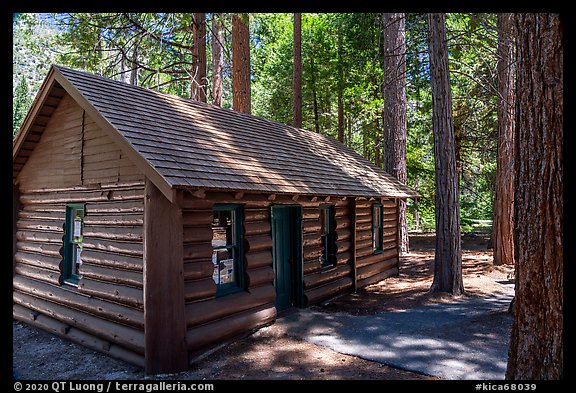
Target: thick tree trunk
[(241, 100), (314, 95), (394, 114), (503, 224), (297, 72), (448, 254), (198, 71), (217, 59), (536, 344)]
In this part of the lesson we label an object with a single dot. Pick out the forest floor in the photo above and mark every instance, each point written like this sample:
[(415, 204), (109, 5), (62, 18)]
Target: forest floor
[(271, 353)]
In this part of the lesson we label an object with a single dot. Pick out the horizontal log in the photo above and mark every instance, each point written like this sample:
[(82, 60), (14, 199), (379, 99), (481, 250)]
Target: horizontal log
[(197, 217), (70, 298), (365, 243), (363, 252), (363, 220), (198, 268), (343, 246), (375, 268), (323, 277), (311, 266), (23, 314), (344, 257), (47, 249), (363, 211), (126, 355), (364, 226), (260, 276), (254, 260), (204, 288), (59, 209), (87, 188), (37, 273), (120, 233), (342, 213), (390, 203), (114, 332), (344, 234), (112, 260), (374, 258), (312, 254), (311, 226), (37, 225), (343, 224), (129, 296), (197, 234), (226, 328), (119, 207), (130, 220), (390, 231), (363, 235), (257, 243), (390, 218), (256, 215), (327, 291), (253, 228), (377, 277), (112, 246), (40, 237), (58, 216), (82, 197), (37, 260), (311, 240), (114, 276), (205, 311), (198, 250), (311, 214)]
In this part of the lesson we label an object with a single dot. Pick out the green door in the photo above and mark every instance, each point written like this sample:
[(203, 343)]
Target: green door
[(287, 253)]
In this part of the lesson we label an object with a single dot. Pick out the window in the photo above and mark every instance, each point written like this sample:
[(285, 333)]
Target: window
[(377, 228), (73, 243), (227, 239), (328, 234)]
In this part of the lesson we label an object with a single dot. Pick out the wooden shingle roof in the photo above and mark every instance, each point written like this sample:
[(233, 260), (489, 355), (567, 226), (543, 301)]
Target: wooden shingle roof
[(190, 144)]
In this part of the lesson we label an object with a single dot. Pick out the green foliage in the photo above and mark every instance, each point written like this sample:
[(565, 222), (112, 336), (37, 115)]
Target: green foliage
[(21, 105), (341, 54)]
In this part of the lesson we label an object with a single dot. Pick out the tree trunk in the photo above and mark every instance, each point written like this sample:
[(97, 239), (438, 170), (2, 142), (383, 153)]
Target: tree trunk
[(241, 63), (503, 224), (217, 59), (394, 114), (536, 344), (448, 254), (314, 95), (198, 71), (340, 90), (297, 72)]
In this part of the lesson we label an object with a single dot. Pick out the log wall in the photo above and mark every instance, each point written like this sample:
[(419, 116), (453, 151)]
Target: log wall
[(105, 310), (370, 267)]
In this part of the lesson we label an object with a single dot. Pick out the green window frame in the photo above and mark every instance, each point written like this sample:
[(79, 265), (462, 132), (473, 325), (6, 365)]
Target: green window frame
[(73, 239), (378, 228), (328, 235), (227, 248)]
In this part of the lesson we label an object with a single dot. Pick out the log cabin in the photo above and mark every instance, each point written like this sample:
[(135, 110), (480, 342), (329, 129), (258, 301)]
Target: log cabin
[(153, 228)]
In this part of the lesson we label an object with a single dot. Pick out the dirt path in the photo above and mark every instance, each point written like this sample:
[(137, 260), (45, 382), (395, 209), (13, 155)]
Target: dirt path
[(271, 353)]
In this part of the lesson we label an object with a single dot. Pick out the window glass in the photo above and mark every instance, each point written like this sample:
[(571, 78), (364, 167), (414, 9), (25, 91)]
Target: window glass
[(226, 248), (377, 227), (328, 235), (73, 241)]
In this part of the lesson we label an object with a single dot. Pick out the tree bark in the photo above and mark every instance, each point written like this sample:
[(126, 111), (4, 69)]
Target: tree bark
[(340, 90), (198, 71), (536, 344), (314, 95), (448, 253), (297, 72), (503, 223), (241, 63), (394, 113), (217, 59)]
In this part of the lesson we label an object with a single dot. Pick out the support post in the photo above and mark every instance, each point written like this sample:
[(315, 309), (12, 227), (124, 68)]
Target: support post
[(164, 309)]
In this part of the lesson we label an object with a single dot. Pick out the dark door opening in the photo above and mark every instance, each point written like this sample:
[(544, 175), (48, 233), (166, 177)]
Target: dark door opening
[(287, 255)]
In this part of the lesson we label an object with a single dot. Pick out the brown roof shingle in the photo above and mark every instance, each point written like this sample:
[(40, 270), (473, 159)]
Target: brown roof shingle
[(194, 144)]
